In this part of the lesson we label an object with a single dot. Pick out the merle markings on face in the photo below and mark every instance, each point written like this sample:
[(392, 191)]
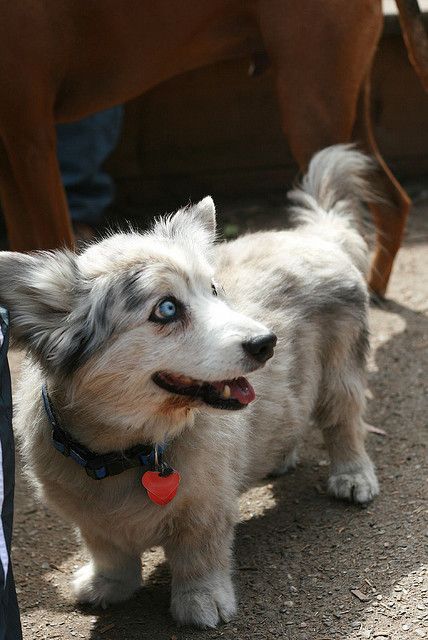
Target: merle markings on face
[(140, 312)]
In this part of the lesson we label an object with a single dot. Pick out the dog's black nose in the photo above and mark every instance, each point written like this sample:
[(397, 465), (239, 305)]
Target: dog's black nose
[(260, 348)]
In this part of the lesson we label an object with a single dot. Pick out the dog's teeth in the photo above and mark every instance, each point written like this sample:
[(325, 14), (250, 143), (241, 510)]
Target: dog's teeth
[(226, 392), (186, 380)]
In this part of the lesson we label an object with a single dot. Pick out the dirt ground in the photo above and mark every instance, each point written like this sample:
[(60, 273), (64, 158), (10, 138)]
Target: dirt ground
[(307, 567)]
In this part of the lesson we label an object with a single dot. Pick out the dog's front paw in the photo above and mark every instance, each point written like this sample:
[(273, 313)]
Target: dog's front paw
[(93, 587), (204, 602), (357, 485)]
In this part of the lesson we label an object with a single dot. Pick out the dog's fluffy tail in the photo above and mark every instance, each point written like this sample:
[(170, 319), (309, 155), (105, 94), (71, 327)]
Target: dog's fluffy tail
[(330, 198)]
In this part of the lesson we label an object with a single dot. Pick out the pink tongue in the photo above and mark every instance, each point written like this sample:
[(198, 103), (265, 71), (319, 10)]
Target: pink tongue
[(240, 389)]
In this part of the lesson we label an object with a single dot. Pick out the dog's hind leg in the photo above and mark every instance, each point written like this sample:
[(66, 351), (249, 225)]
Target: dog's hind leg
[(389, 217), (353, 475), (111, 575), (339, 415), (320, 55)]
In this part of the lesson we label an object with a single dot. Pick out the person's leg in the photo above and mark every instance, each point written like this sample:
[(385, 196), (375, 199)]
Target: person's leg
[(10, 626), (83, 147)]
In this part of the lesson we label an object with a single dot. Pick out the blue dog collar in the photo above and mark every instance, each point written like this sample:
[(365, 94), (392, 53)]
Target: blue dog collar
[(100, 466)]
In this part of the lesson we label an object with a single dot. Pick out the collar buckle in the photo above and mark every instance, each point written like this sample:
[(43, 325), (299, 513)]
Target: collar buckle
[(96, 474)]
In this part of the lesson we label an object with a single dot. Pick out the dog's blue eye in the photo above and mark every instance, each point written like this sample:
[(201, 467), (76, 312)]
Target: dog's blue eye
[(165, 310)]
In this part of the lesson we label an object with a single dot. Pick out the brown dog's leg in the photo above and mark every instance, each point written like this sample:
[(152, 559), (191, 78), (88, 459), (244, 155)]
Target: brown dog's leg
[(33, 199), (389, 217), (321, 57)]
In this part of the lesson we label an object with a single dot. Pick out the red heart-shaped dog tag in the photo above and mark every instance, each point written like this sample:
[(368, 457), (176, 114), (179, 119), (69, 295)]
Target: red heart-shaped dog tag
[(160, 489)]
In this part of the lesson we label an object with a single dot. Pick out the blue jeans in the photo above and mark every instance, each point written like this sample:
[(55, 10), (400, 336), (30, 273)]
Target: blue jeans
[(82, 148)]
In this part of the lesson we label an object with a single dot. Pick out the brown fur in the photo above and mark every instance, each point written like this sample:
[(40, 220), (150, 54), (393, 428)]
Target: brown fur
[(171, 405), (78, 57)]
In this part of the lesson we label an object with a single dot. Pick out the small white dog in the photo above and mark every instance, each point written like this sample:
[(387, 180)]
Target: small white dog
[(142, 342)]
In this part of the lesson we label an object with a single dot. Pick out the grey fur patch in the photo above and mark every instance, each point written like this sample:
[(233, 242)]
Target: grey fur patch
[(338, 298), (101, 312), (78, 350), (132, 291), (98, 322), (291, 286), (361, 347), (322, 297), (93, 327)]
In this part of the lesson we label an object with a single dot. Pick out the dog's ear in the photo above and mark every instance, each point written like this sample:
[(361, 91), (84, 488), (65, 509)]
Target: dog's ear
[(196, 223), (204, 213), (38, 290)]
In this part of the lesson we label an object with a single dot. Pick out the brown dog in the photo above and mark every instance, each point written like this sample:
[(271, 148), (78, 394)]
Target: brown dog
[(63, 59)]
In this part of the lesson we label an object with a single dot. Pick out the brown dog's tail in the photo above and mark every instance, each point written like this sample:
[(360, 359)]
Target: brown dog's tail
[(415, 37)]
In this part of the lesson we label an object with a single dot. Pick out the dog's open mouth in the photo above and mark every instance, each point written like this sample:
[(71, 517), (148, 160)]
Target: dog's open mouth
[(224, 394)]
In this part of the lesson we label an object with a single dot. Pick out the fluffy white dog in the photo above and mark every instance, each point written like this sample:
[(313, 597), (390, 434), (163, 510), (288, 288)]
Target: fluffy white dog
[(143, 341)]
